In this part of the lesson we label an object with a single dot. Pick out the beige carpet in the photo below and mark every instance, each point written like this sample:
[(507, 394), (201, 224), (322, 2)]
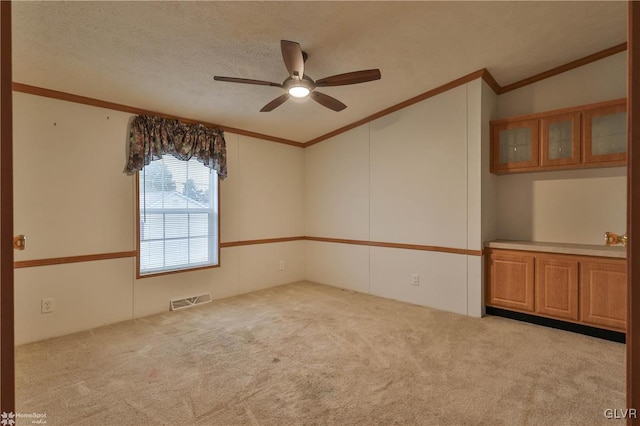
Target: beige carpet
[(316, 355)]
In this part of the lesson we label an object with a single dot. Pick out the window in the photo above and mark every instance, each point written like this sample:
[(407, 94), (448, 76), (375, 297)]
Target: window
[(178, 216)]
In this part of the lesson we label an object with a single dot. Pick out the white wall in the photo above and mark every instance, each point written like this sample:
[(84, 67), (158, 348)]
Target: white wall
[(404, 178), (417, 176), (72, 199), (337, 186), (598, 81), (575, 206)]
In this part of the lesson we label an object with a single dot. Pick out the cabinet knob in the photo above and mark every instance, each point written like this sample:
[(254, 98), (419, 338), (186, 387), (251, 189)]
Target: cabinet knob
[(19, 242)]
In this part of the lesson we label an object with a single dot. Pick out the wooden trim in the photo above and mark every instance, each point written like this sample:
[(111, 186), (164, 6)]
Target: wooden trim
[(488, 78), (563, 68), (426, 95), (420, 247), (69, 97), (7, 345), (228, 244), (263, 241), (72, 259), (633, 208), (339, 241)]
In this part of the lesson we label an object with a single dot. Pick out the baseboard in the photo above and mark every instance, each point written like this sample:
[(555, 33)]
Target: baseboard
[(614, 336)]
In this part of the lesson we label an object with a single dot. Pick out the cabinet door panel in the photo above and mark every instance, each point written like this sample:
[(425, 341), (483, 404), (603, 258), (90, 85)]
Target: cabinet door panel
[(514, 145), (511, 281), (556, 288), (605, 134), (560, 139), (603, 299)]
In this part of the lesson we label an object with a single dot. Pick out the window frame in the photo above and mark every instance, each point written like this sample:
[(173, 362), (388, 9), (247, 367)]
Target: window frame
[(181, 270)]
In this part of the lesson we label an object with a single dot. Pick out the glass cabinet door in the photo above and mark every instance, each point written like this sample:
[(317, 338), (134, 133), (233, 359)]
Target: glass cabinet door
[(605, 134), (560, 139), (514, 145)]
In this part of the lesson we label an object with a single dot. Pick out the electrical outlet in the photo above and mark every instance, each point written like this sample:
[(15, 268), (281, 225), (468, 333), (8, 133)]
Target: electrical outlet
[(415, 279), (281, 265), (46, 306)]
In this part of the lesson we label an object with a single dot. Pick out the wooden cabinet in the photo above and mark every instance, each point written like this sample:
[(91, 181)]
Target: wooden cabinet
[(581, 289), (560, 139), (516, 145), (581, 137), (603, 300), (511, 281), (605, 134), (556, 288)]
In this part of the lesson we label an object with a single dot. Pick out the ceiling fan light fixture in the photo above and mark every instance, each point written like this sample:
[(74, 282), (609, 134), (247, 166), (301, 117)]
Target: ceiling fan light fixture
[(298, 85), (299, 91)]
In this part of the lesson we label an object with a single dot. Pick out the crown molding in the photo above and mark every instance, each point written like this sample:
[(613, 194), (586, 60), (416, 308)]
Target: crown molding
[(483, 73), (69, 97)]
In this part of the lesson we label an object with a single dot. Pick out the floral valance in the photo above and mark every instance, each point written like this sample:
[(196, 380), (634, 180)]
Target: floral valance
[(151, 137)]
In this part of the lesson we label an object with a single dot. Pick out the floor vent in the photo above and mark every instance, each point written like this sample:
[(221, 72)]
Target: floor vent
[(190, 301)]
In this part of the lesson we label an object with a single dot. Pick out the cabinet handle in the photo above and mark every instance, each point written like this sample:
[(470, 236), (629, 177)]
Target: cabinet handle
[(612, 239)]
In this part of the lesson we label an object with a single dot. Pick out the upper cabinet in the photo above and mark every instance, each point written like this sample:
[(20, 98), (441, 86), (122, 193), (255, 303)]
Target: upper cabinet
[(516, 145), (560, 139), (605, 134), (586, 136)]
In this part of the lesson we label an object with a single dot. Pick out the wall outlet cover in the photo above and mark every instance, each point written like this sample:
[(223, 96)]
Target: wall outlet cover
[(46, 305)]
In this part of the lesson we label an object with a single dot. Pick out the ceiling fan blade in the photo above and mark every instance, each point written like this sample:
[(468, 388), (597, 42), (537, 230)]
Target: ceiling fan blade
[(327, 101), (246, 81), (275, 103), (293, 58), (354, 77)]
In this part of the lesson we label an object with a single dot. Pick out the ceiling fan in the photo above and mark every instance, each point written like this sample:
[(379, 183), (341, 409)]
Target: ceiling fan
[(300, 85)]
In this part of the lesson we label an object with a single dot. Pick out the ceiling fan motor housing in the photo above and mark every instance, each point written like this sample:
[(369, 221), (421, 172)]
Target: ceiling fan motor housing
[(298, 85), (296, 82)]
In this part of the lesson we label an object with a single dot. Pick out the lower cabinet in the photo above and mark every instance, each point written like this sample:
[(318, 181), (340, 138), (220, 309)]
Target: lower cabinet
[(603, 300), (582, 289), (556, 288), (511, 281)]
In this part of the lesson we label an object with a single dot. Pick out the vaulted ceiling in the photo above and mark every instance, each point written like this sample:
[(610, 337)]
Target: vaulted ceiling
[(162, 56)]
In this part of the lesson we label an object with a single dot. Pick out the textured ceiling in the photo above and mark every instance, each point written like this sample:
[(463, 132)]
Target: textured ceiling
[(162, 56)]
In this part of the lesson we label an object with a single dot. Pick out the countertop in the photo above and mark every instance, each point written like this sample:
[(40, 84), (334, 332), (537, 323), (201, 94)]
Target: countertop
[(561, 248)]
